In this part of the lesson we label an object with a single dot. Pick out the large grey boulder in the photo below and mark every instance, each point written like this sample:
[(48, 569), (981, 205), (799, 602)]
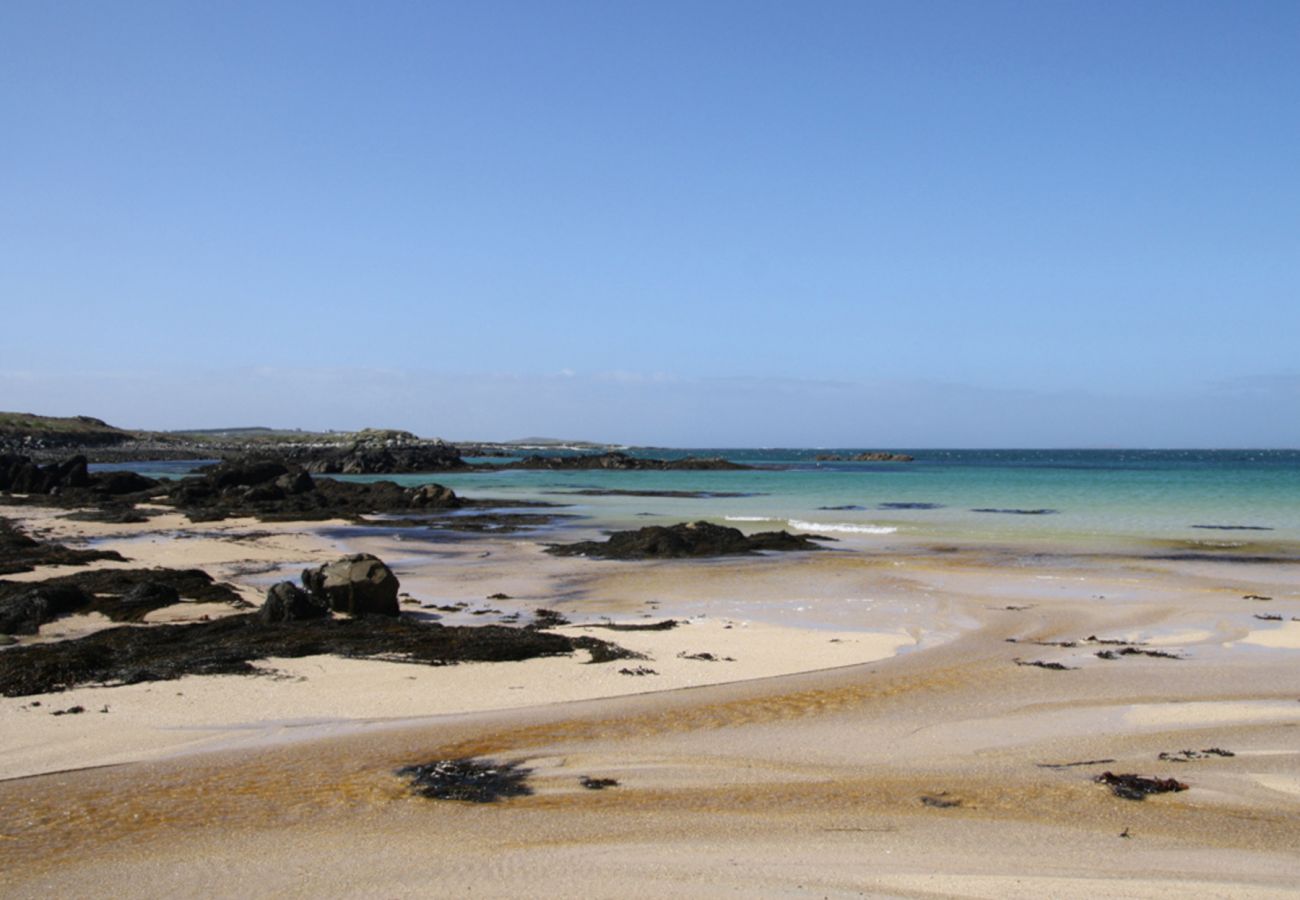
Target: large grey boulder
[(360, 585)]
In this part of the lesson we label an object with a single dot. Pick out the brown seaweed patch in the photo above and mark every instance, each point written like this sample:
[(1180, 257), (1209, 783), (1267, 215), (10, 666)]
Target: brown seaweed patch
[(665, 625)]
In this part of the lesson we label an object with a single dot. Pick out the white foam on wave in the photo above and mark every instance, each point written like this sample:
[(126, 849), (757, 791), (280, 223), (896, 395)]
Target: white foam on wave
[(750, 519), (844, 528)]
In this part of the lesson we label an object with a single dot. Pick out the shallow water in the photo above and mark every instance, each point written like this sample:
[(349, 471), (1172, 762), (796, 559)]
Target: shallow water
[(1171, 495), (1219, 499)]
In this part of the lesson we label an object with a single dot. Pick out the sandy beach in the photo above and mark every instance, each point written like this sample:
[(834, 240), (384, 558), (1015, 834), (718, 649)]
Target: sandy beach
[(873, 725)]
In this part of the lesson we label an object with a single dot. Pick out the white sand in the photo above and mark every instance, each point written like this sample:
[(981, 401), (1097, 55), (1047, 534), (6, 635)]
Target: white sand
[(1284, 636), (753, 777), (148, 721)]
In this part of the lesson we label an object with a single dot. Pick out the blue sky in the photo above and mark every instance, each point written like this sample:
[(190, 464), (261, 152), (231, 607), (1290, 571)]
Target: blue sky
[(946, 224)]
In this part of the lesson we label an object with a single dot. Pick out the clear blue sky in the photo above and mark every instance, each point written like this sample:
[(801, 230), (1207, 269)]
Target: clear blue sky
[(860, 223)]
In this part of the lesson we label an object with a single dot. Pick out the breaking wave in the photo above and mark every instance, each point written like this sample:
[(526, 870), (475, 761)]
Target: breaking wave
[(844, 528)]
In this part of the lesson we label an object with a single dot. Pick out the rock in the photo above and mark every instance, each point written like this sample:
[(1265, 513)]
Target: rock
[(19, 475), (360, 585), (382, 453), (263, 493), (685, 540), (271, 491), (434, 496), (286, 602), (244, 472), (117, 483), (295, 482)]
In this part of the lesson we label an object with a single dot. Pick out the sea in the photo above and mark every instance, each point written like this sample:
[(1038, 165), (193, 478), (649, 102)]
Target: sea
[(1212, 498)]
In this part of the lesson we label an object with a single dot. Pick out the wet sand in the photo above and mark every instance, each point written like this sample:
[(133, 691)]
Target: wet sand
[(929, 764)]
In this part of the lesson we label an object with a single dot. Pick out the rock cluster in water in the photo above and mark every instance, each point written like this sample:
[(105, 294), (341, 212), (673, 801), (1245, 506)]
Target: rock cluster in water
[(621, 462), (695, 539), (272, 490), (874, 456)]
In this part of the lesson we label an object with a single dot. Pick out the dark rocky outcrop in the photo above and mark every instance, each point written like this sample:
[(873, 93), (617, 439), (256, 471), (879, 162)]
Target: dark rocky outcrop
[(228, 646), (360, 585), (286, 602), (22, 553), (20, 475), (619, 462), (381, 460), (70, 479), (272, 490), (696, 539)]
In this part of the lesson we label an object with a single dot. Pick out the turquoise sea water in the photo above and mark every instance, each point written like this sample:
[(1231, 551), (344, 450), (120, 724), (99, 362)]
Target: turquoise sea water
[(1250, 497)]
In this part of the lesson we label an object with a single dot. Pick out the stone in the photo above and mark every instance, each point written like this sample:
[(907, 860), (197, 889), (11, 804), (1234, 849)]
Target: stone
[(295, 482), (360, 585), (434, 496), (286, 602)]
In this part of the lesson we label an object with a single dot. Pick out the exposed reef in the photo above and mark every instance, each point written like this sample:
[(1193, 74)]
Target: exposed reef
[(687, 495), (1016, 512), (618, 461), (685, 540), (271, 490), (871, 456)]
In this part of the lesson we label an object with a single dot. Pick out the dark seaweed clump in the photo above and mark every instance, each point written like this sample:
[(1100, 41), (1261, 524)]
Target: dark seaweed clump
[(465, 779), (685, 540), (1136, 787), (665, 625), (123, 595), (228, 646), (22, 553), (1135, 651), (1189, 755), (547, 618)]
